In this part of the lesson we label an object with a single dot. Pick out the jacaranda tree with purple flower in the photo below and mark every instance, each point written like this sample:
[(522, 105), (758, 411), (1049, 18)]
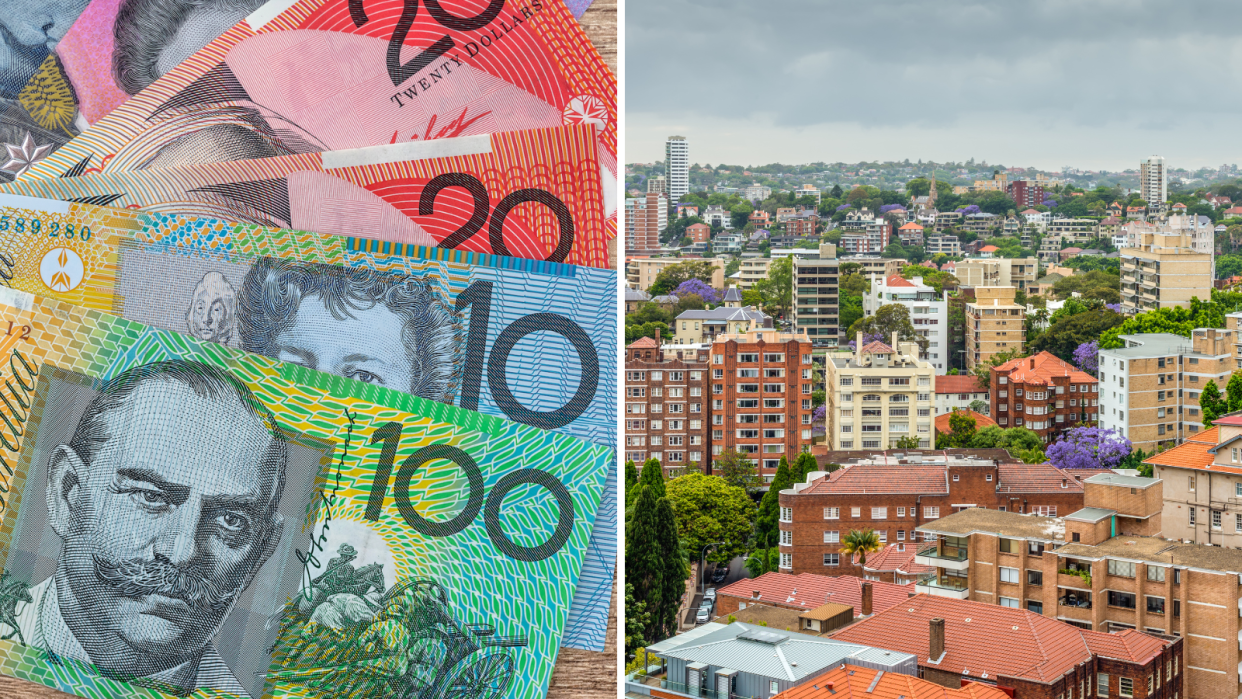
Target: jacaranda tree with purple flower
[(1087, 356), (699, 288), (844, 207), (967, 210), (891, 207), (1114, 307), (1050, 203), (1088, 447)]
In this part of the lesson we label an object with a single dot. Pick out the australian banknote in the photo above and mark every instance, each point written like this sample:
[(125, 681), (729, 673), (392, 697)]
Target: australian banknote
[(181, 516), (522, 340), (316, 75), (532, 194)]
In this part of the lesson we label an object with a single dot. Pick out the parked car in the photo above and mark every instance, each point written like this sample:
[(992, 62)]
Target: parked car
[(719, 575), (710, 594), (703, 616)]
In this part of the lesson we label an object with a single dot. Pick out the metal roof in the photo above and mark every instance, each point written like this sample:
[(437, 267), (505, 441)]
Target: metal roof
[(684, 638), (779, 654), (1122, 480), (1091, 514)]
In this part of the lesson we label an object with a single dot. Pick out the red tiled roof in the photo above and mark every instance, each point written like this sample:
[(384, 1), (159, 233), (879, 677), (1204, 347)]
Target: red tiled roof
[(981, 420), (897, 558), (1037, 647), (808, 591), (929, 479), (911, 226), (1046, 366), (1029, 211), (1193, 454), (898, 280), (988, 248), (1234, 210), (1071, 250), (856, 682), (877, 347), (1035, 478), (1179, 205), (644, 343), (1233, 419), (961, 383)]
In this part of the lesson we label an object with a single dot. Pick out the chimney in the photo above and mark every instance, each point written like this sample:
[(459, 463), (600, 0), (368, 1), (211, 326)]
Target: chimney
[(936, 648), (1032, 362), (866, 599), (754, 594), (896, 347), (858, 349)]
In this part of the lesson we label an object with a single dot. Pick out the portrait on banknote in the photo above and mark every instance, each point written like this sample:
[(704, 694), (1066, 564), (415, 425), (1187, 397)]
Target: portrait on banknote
[(159, 506)]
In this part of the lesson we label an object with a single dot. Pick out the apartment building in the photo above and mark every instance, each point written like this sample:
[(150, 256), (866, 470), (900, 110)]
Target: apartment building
[(910, 234), (895, 495), (761, 395), (868, 239), (873, 264), (752, 271), (1023, 654), (718, 216), (1198, 228), (1163, 271), (1149, 389), (1074, 230), (878, 395), (816, 297), (1107, 567), (1026, 192), (947, 244), (994, 323), (641, 272), (1020, 272), (982, 223), (1232, 322), (1153, 182), (699, 232), (704, 326), (958, 392), (646, 218), (1044, 394), (666, 412), (677, 167), (1203, 486), (929, 313)]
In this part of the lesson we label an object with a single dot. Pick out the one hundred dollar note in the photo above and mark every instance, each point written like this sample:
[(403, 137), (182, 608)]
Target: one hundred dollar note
[(527, 341), (181, 517), (531, 194), (318, 75)]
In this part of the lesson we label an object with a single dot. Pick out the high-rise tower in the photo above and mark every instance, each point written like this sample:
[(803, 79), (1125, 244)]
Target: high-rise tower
[(677, 167)]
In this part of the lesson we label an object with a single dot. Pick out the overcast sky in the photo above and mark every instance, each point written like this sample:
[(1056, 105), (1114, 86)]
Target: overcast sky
[(1044, 83)]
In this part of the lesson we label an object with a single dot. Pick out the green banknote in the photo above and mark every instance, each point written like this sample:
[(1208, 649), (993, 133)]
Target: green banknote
[(180, 517), (523, 340)]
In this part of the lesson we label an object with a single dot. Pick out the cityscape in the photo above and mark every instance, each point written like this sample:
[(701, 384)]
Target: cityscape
[(893, 417)]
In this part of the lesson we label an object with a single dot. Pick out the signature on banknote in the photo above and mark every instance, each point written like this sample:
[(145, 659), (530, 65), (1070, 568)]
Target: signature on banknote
[(309, 559), (454, 129)]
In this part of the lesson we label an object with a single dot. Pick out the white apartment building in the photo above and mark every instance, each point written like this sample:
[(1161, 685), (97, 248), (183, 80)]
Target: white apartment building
[(753, 271), (1199, 230), (1153, 183), (677, 167), (929, 313), (878, 395), (718, 216)]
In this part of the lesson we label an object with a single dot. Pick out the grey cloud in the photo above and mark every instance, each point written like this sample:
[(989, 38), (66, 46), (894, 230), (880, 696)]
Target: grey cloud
[(1132, 67)]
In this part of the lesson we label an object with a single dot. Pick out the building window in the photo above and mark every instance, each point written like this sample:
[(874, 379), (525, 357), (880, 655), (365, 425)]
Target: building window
[(1125, 686), (1192, 512), (1124, 600), (901, 534), (901, 512), (879, 513), (1216, 519), (1155, 573), (856, 512), (832, 559), (1034, 577), (832, 513), (1123, 568), (786, 514), (1155, 605), (1038, 608), (832, 537), (1009, 602), (1009, 575), (931, 513), (787, 560), (1101, 684)]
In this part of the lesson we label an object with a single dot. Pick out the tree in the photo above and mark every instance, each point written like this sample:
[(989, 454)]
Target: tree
[(862, 543), (732, 266), (979, 406), (1234, 390), (762, 560), (1068, 333), (1211, 403), (652, 475), (672, 276), (888, 319), (710, 510), (644, 561), (804, 465), (1088, 447), (631, 482), (934, 278), (982, 370), (697, 287), (894, 251), (636, 619), (909, 442), (1016, 439), (962, 427), (674, 574), (737, 470), (769, 507)]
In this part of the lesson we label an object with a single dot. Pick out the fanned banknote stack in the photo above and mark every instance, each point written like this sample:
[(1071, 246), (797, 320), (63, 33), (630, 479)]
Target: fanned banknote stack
[(307, 347)]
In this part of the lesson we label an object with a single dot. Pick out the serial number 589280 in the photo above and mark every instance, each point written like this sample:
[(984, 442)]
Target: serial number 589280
[(35, 226)]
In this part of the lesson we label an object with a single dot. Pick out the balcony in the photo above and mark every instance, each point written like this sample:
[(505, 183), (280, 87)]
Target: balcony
[(947, 557), (952, 587)]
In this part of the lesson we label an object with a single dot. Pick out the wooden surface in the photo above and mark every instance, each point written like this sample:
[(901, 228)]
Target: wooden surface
[(578, 673)]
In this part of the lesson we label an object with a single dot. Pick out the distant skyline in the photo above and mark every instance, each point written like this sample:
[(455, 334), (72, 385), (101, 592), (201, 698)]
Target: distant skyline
[(1092, 85)]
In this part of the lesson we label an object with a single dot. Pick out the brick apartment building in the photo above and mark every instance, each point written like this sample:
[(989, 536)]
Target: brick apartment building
[(1026, 655), (1026, 192), (699, 232), (801, 227), (761, 395), (645, 220), (809, 591), (994, 324), (666, 404), (1203, 486), (894, 495), (1103, 568), (1149, 389), (1044, 394)]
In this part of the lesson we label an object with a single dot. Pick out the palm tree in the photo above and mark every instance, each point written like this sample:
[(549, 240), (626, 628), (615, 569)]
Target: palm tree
[(861, 543)]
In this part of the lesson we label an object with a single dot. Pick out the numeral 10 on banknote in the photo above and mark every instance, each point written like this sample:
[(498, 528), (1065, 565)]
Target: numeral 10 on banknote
[(390, 434), (478, 297)]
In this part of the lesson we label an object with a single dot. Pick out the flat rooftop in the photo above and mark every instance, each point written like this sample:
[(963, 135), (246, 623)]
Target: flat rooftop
[(1007, 524)]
